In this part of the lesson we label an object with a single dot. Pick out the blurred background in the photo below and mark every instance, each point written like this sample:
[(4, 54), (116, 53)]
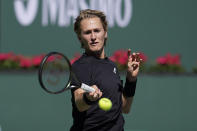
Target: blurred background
[(160, 29)]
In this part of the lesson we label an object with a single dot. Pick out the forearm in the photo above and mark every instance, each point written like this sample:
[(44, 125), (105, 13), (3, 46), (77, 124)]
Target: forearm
[(128, 94), (84, 100), (126, 104), (79, 100)]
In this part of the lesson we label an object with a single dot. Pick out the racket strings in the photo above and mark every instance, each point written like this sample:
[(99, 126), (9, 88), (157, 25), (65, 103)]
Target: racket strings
[(55, 73)]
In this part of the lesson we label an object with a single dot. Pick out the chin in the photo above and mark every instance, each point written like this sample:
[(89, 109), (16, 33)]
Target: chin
[(96, 50)]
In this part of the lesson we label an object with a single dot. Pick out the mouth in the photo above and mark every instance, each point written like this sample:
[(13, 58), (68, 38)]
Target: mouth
[(93, 43)]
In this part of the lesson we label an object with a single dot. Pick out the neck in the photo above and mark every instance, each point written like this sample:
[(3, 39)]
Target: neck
[(99, 54)]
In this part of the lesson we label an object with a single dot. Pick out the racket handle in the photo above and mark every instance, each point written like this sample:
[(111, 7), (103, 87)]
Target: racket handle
[(87, 88)]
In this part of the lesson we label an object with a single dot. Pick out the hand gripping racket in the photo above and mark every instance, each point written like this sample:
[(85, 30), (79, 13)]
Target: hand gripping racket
[(55, 74)]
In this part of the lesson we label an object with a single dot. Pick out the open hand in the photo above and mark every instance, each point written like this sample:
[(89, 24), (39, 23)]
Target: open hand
[(133, 65)]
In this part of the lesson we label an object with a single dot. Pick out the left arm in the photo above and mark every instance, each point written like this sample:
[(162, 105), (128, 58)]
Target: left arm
[(131, 79), (126, 104)]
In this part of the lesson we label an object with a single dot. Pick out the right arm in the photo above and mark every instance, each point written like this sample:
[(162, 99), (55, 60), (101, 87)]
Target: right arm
[(79, 98)]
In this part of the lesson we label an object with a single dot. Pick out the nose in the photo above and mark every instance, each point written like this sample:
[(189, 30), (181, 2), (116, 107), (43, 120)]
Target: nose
[(93, 36)]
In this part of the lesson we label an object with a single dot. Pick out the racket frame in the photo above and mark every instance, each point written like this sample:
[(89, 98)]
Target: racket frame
[(41, 69)]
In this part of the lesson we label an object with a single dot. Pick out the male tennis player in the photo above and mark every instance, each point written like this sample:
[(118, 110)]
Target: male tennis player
[(98, 71)]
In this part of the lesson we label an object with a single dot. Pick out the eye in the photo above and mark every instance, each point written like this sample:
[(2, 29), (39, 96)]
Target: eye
[(87, 32), (97, 30)]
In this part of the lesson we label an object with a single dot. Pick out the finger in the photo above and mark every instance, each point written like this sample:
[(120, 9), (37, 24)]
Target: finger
[(133, 57), (100, 93), (138, 57), (95, 87), (130, 64), (97, 92), (91, 93), (141, 60), (135, 65), (129, 52), (95, 95)]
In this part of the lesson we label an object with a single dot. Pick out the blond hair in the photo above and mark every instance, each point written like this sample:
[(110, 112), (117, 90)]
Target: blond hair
[(88, 13)]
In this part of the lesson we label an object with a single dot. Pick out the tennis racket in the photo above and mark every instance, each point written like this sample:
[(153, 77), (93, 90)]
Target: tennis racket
[(55, 74)]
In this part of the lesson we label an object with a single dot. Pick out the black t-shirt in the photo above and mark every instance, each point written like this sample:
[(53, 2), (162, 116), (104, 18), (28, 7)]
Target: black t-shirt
[(103, 73)]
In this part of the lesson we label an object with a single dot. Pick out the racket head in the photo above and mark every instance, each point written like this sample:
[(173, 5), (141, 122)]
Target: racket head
[(54, 73)]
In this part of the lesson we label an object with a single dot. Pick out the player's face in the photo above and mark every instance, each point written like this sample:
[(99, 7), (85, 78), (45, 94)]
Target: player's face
[(92, 34)]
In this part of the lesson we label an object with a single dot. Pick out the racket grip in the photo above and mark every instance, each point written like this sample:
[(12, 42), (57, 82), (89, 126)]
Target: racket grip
[(87, 88)]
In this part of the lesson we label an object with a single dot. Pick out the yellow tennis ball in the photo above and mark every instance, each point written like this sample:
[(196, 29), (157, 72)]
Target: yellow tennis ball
[(105, 104)]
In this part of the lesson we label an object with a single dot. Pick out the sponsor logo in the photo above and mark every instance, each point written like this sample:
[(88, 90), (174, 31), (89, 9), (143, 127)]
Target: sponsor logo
[(114, 70), (63, 12)]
